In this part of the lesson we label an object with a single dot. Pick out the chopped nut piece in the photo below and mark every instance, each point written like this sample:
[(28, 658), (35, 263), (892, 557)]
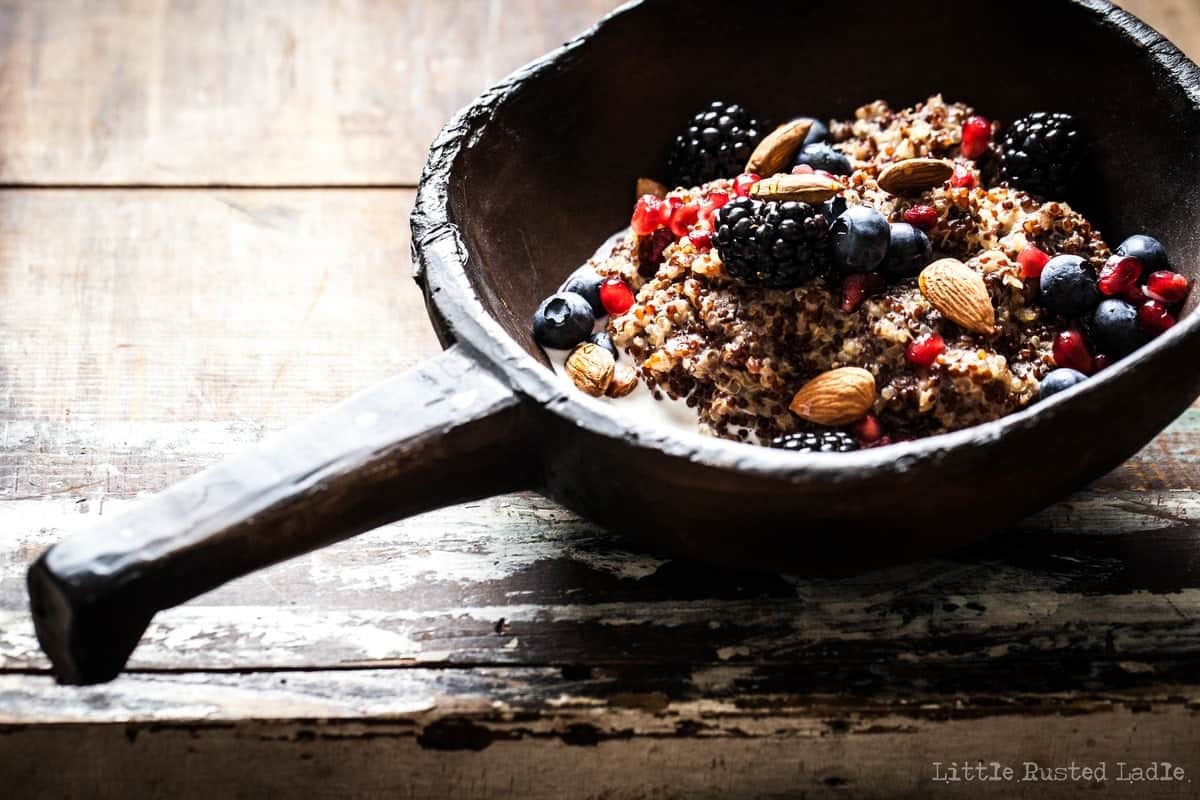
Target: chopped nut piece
[(624, 381), (651, 187)]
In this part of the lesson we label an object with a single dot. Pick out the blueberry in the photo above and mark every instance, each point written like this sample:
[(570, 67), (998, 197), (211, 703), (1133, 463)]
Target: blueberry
[(1115, 328), (586, 284), (832, 209), (562, 321), (909, 251), (1059, 380), (817, 133), (1147, 250), (602, 339), (860, 239), (1069, 286), (821, 156)]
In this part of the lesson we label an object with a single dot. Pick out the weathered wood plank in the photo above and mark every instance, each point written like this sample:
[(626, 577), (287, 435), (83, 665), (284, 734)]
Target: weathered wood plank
[(518, 733), (321, 91), (119, 459), (251, 91), (189, 305), (517, 580)]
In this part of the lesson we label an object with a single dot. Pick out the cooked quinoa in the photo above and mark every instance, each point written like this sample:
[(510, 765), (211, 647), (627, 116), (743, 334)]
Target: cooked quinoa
[(739, 353)]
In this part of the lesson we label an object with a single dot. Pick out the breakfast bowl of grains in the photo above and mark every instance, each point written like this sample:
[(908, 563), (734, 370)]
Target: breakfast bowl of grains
[(763, 284)]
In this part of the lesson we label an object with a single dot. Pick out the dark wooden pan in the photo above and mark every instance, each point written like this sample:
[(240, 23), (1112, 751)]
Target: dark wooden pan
[(521, 187)]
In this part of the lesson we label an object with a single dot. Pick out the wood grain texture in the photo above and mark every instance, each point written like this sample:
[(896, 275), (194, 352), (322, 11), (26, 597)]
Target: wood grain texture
[(189, 305), (278, 92), (252, 92), (1103, 581), (372, 734), (488, 733), (501, 647)]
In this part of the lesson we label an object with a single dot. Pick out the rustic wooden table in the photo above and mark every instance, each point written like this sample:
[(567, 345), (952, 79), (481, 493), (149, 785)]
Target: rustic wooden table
[(204, 237)]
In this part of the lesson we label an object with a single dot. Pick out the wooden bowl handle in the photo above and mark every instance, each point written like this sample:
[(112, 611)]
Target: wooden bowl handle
[(441, 433)]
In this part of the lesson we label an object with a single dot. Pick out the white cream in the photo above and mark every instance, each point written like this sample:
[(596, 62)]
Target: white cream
[(640, 403)]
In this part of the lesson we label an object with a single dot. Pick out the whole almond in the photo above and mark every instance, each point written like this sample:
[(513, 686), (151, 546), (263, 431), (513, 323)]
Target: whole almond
[(914, 175), (959, 293), (808, 188), (837, 397), (776, 149), (590, 367), (651, 187)]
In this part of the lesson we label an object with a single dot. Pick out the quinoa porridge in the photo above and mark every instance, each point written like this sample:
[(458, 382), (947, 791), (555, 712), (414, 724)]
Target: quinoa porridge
[(844, 302)]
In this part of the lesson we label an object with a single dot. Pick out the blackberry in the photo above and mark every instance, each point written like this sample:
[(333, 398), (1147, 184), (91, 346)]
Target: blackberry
[(717, 143), (816, 442), (772, 244), (1041, 153)]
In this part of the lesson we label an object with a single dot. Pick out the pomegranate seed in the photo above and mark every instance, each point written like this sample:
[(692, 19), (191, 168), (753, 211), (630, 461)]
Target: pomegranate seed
[(701, 239), (615, 295), (867, 429), (1154, 318), (962, 178), (1071, 351), (803, 169), (1166, 286), (1033, 261), (743, 182), (649, 213), (1100, 362), (1135, 294), (682, 219), (650, 251), (717, 197), (1118, 274), (924, 350), (923, 217), (857, 286), (976, 133)]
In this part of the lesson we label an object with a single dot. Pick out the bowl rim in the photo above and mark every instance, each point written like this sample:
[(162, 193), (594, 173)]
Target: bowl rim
[(440, 258)]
